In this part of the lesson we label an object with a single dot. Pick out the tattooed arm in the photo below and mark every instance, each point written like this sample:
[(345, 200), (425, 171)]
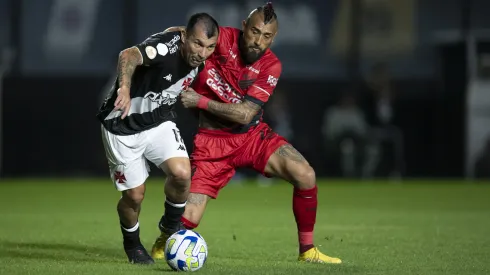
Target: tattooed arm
[(242, 113), (129, 59)]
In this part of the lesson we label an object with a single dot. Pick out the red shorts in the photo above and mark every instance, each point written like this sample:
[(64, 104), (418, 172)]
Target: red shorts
[(217, 153)]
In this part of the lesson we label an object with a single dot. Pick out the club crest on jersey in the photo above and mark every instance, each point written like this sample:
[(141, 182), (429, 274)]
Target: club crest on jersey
[(187, 82), (222, 59), (246, 81)]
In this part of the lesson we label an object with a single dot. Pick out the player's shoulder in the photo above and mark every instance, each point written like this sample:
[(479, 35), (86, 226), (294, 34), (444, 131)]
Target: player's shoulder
[(270, 60), (229, 31), (170, 36)]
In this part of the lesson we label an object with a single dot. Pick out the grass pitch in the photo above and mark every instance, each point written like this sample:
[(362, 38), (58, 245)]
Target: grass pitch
[(71, 227)]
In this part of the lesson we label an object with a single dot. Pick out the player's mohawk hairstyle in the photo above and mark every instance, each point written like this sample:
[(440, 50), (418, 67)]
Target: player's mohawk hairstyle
[(269, 13)]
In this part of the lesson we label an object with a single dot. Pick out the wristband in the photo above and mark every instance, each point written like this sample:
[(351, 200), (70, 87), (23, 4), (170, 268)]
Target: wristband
[(203, 103)]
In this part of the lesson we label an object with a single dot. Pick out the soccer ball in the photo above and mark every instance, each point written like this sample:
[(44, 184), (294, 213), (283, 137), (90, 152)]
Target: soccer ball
[(186, 250)]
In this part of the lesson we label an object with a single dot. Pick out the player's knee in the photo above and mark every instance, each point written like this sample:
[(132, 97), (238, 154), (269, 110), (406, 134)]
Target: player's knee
[(304, 177), (181, 176), (134, 197)]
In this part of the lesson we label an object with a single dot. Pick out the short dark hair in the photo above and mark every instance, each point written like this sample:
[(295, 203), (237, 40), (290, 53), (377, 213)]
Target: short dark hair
[(210, 24), (269, 13)]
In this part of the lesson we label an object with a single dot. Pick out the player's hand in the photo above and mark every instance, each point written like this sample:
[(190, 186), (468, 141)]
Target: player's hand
[(190, 98), (123, 101)]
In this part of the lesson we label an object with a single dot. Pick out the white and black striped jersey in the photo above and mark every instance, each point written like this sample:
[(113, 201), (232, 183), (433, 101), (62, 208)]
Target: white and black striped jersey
[(155, 87)]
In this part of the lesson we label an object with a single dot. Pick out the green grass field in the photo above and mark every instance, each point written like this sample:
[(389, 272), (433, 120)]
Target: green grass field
[(71, 227)]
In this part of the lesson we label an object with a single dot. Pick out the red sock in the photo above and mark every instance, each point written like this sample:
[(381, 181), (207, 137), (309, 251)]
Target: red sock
[(188, 224), (304, 208)]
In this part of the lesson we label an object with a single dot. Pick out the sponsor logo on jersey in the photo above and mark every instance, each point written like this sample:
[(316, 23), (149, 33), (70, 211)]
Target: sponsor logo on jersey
[(253, 69), (161, 98), (221, 87), (173, 49), (272, 81), (173, 41)]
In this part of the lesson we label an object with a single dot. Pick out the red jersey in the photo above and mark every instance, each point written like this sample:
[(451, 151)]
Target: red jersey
[(226, 78)]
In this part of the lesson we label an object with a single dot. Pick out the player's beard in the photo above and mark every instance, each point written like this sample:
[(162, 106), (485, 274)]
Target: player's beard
[(249, 55)]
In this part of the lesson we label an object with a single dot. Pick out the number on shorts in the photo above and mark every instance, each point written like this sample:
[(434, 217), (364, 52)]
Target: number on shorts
[(178, 138)]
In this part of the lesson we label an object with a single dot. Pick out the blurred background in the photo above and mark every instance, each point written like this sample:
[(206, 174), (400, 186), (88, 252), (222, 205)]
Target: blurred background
[(370, 88)]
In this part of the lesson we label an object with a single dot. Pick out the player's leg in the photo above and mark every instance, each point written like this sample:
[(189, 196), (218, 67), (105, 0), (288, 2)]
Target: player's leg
[(194, 210), (166, 149), (274, 156), (212, 169), (178, 171), (208, 177), (202, 188), (128, 170), (287, 163), (128, 208), (201, 191)]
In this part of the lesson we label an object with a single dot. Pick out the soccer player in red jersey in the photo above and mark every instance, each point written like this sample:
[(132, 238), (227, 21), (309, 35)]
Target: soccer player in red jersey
[(237, 81)]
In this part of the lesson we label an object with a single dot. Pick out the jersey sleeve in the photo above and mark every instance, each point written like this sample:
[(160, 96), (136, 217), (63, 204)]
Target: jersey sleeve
[(158, 47), (223, 35), (265, 84)]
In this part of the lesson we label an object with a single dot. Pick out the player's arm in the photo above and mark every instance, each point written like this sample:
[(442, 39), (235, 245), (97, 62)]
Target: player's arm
[(147, 53), (258, 94), (129, 59), (242, 113), (239, 113), (153, 50)]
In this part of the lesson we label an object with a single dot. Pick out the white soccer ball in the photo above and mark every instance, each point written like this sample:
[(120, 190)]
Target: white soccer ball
[(186, 250)]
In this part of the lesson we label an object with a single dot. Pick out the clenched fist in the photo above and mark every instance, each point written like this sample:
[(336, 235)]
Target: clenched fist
[(190, 98)]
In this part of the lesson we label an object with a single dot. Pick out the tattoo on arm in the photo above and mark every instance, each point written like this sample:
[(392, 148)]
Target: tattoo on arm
[(129, 59), (197, 199), (240, 113), (289, 152)]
